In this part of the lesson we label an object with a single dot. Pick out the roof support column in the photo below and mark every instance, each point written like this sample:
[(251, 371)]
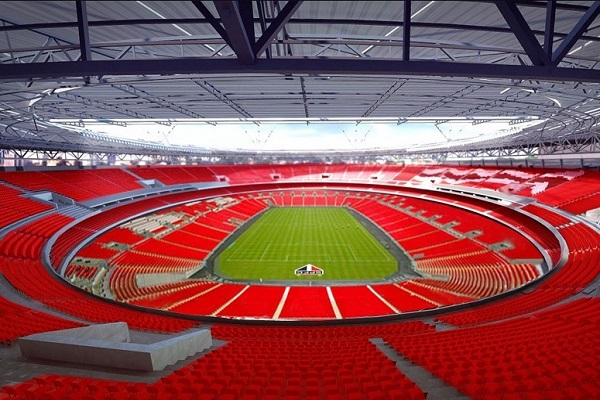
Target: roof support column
[(84, 34), (263, 22), (406, 31), (212, 21), (234, 24), (523, 32), (549, 33), (276, 26), (582, 25)]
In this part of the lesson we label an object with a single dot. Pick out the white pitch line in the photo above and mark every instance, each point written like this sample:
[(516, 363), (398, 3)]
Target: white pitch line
[(384, 301), (352, 251), (334, 305), (281, 303), (233, 254), (264, 251)]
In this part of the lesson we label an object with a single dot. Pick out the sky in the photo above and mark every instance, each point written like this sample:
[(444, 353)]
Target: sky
[(302, 136)]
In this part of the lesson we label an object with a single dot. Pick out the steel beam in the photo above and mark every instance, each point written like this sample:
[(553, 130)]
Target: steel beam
[(157, 100), (523, 32), (223, 97), (276, 26), (214, 22), (354, 66), (236, 31), (84, 34), (211, 20), (406, 31), (575, 34), (260, 5), (247, 14), (550, 18), (105, 106), (388, 93), (304, 97)]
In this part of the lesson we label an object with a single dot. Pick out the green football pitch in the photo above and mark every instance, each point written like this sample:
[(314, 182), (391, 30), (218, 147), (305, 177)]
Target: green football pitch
[(287, 238)]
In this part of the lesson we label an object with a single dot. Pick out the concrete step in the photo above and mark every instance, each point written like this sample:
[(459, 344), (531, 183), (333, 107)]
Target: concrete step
[(435, 388)]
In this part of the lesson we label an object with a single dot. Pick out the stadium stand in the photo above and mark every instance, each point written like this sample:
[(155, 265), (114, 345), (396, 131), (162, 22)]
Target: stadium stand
[(147, 148), (14, 207), (495, 345), (18, 320)]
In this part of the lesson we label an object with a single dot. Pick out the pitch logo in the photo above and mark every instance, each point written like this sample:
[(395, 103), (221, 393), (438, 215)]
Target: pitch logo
[(309, 269)]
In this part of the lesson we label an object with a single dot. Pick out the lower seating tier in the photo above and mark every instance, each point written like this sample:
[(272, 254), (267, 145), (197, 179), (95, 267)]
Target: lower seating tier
[(551, 355)]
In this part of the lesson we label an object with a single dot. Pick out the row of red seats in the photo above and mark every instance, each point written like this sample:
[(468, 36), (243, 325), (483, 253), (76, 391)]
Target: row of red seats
[(491, 231), (580, 269), (86, 184), (14, 207), (428, 243), (185, 250), (18, 320), (239, 301), (163, 255), (478, 281), (274, 333), (214, 221), (343, 369), (88, 226), (292, 370), (580, 237), (570, 191), (243, 173), (30, 277), (582, 204), (550, 355), (163, 299), (78, 184), (124, 286), (473, 258), (199, 241), (119, 235), (403, 299), (248, 207), (170, 175), (533, 228), (21, 245), (159, 262), (27, 241), (97, 250), (435, 294), (87, 272)]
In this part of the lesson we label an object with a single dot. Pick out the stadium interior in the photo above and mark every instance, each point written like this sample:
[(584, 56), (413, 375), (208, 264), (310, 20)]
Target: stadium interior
[(465, 267)]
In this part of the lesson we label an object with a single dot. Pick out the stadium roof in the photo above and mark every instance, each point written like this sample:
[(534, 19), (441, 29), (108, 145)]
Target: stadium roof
[(299, 61)]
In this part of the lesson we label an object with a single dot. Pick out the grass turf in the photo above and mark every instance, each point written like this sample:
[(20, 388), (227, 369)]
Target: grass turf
[(287, 238)]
